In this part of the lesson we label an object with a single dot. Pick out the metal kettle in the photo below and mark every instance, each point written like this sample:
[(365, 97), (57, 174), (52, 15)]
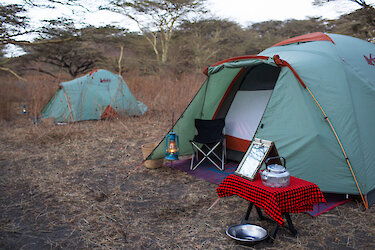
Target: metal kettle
[(275, 175)]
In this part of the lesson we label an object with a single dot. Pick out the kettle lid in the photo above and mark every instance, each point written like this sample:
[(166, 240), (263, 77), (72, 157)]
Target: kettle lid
[(276, 168)]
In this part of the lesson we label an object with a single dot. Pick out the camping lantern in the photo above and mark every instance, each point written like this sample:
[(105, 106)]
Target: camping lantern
[(171, 146), (24, 109)]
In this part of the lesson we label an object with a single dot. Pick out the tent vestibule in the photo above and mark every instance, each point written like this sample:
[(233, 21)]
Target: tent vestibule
[(310, 95)]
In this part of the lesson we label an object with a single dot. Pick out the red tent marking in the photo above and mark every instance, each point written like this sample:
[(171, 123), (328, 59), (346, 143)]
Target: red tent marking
[(316, 36), (109, 112)]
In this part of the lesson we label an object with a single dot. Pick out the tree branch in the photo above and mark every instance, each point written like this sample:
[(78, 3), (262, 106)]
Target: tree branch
[(36, 43), (13, 73), (41, 71)]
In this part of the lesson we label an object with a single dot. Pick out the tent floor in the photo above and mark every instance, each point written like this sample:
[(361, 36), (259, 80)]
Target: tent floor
[(208, 172), (205, 171)]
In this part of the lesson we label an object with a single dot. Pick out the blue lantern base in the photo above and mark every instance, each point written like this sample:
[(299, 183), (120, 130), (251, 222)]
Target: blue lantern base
[(172, 157)]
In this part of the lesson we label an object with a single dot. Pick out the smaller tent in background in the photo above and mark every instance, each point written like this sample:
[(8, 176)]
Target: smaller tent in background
[(97, 95)]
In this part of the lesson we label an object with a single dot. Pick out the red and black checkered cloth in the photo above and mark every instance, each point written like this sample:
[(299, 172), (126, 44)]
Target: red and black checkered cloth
[(300, 196)]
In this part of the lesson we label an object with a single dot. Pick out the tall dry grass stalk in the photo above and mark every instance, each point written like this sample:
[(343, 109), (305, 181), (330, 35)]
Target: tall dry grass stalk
[(34, 93), (40, 89), (165, 92), (12, 94)]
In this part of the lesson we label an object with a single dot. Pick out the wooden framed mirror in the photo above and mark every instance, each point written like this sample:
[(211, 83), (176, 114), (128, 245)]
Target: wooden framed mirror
[(256, 154)]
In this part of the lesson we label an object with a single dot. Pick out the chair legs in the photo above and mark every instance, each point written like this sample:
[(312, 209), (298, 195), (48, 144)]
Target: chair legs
[(197, 149)]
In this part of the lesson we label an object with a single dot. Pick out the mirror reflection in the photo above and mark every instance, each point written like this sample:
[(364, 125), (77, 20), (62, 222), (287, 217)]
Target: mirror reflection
[(254, 158)]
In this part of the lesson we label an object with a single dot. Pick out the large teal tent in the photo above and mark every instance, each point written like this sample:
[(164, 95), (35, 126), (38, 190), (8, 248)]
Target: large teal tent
[(313, 95), (99, 94)]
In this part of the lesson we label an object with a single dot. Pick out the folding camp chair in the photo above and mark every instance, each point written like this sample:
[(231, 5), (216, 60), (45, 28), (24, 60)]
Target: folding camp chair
[(210, 136)]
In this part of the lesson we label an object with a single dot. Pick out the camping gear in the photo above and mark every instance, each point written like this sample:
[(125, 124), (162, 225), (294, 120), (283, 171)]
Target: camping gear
[(146, 150), (311, 95), (171, 146), (277, 203), (97, 95), (210, 135), (254, 158), (247, 234), (211, 174), (276, 228), (275, 175)]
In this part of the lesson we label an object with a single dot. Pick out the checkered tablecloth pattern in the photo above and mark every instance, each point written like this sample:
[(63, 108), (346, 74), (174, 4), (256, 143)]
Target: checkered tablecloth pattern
[(300, 196)]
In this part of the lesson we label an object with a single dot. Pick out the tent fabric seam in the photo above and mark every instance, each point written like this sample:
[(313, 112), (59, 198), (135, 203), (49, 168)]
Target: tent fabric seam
[(283, 63), (239, 58)]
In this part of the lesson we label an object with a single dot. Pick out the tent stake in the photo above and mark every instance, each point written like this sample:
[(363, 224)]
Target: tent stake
[(217, 200)]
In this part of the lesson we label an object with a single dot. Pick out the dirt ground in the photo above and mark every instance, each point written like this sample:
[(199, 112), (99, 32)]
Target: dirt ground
[(78, 187)]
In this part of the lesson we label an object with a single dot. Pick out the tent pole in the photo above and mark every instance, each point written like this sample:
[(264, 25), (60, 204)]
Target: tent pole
[(70, 111), (341, 146), (282, 63)]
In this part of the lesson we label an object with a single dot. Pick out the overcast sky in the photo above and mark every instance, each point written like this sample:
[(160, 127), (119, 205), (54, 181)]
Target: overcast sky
[(244, 12)]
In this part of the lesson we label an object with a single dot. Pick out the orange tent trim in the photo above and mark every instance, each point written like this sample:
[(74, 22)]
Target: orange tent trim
[(236, 143), (316, 36)]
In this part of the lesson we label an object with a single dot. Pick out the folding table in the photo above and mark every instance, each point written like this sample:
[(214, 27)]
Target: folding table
[(277, 203)]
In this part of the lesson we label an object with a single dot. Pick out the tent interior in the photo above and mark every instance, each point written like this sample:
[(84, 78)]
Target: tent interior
[(244, 105)]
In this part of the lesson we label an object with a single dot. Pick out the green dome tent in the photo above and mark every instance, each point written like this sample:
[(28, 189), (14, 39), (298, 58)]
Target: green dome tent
[(99, 94), (312, 95)]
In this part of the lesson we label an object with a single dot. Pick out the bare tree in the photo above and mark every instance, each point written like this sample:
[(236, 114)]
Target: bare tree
[(362, 3), (202, 42), (77, 54), (15, 23), (360, 23), (157, 19)]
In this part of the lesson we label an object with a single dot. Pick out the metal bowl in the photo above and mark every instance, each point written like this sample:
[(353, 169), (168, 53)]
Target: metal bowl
[(247, 234)]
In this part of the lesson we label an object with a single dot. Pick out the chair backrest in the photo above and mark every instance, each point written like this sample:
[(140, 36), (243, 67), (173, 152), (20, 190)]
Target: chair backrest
[(209, 130)]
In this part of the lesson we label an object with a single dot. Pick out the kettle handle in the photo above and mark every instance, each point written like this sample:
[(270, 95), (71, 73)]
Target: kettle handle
[(273, 158)]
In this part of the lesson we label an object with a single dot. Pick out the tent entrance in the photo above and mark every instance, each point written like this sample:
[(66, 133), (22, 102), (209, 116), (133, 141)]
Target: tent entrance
[(244, 106)]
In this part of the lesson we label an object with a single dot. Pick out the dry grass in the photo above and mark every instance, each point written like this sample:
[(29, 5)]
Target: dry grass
[(78, 186), (34, 93), (165, 92)]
